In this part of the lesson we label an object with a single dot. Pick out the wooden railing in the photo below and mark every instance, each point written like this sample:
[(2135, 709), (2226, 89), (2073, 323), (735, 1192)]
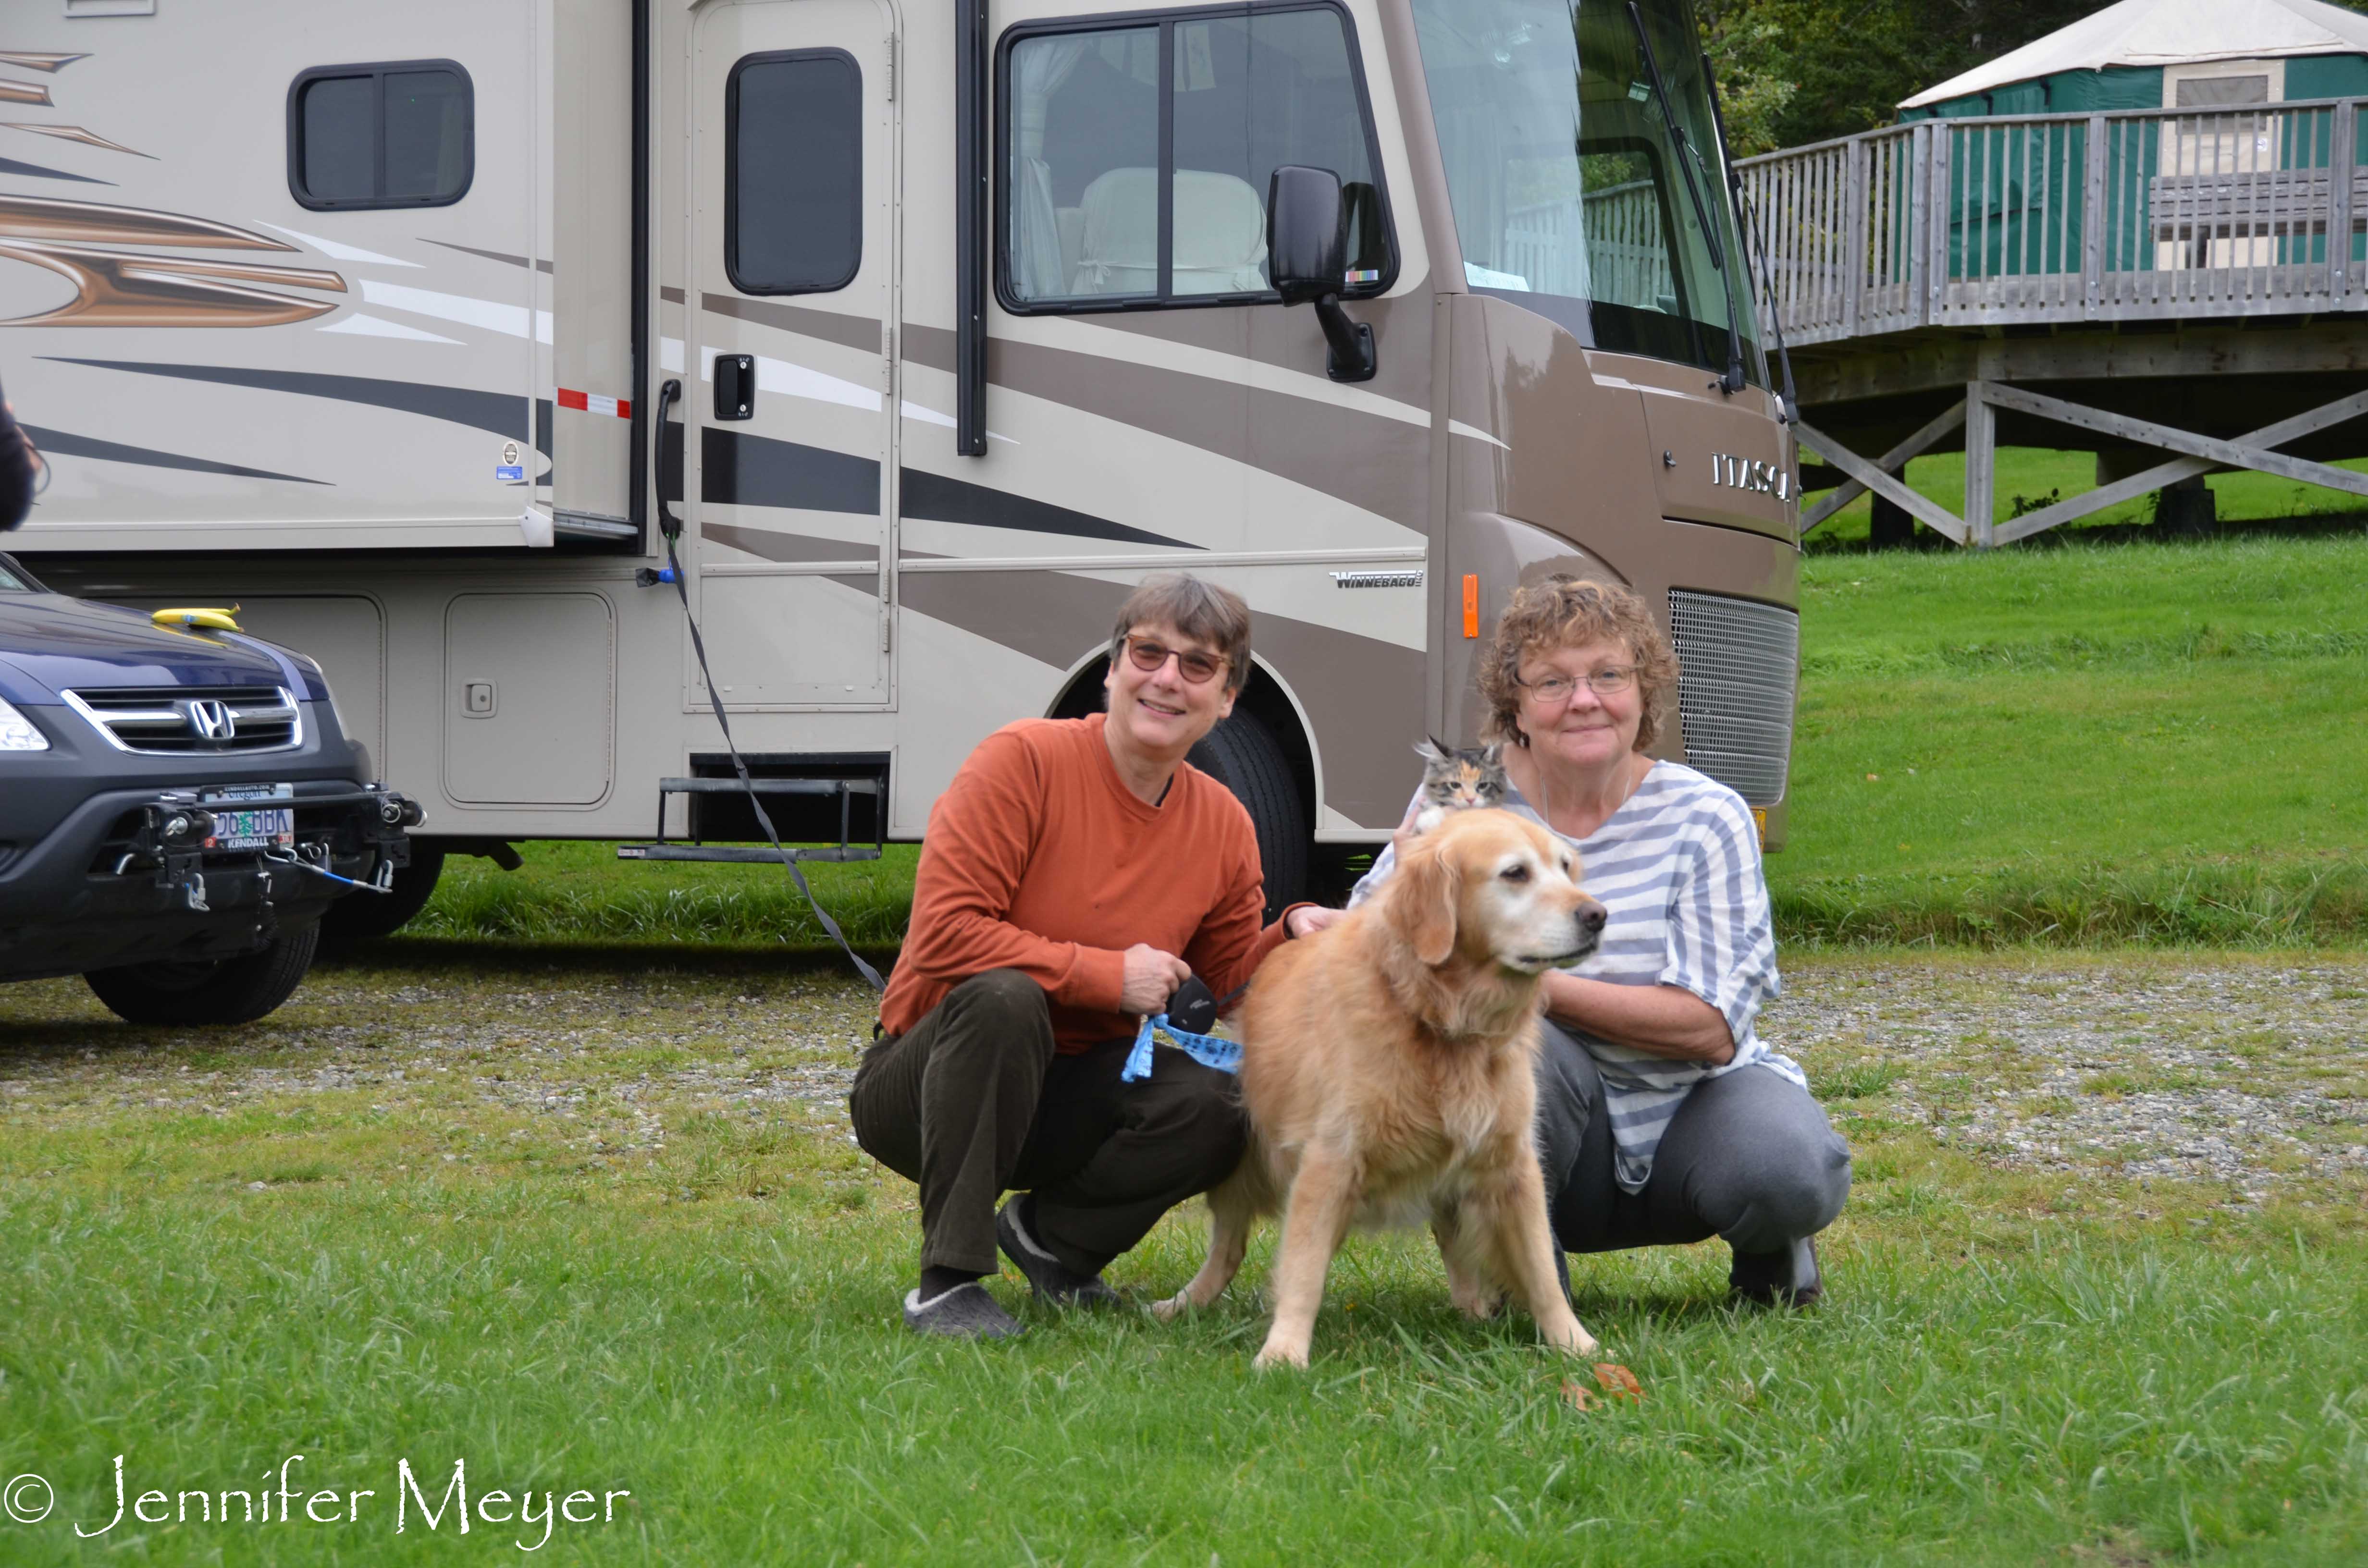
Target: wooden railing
[(2038, 219)]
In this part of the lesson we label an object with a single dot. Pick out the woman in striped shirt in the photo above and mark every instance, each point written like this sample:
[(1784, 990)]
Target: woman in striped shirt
[(1663, 1119)]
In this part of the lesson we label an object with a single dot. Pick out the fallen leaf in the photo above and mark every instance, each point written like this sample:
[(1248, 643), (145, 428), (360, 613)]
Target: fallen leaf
[(1618, 1380), (1872, 776), (1577, 1396)]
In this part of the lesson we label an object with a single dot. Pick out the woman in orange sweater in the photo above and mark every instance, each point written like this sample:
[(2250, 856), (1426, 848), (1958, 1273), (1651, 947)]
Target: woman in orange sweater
[(1075, 873)]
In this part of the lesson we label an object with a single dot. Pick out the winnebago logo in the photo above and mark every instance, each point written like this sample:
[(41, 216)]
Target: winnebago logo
[(1750, 474), (1378, 579)]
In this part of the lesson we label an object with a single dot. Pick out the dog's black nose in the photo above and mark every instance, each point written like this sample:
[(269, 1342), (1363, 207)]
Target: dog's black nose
[(1590, 917)]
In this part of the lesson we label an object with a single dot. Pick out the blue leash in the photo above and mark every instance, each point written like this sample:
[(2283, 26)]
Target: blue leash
[(1208, 1049)]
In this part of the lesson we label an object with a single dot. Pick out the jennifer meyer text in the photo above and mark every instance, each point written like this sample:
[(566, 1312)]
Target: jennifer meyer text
[(408, 1503)]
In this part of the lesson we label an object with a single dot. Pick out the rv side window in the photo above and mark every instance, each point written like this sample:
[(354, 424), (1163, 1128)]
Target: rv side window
[(793, 172), (399, 134), (1097, 216)]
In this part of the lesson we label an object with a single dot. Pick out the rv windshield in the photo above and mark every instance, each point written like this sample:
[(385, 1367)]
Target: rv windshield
[(1571, 195)]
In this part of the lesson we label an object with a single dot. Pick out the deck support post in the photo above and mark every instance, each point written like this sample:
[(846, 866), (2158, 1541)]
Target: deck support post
[(1981, 464)]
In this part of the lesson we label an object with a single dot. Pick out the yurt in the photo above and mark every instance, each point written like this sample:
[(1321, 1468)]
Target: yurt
[(2196, 66), (2168, 54)]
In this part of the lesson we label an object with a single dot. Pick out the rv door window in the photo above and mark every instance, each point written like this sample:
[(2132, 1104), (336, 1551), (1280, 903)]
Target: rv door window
[(400, 134), (793, 172), (1095, 218)]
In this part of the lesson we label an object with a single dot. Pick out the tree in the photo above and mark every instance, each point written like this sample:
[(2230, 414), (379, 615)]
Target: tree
[(1797, 70)]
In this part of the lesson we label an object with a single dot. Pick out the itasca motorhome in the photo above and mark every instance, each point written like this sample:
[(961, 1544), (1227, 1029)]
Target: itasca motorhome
[(408, 328)]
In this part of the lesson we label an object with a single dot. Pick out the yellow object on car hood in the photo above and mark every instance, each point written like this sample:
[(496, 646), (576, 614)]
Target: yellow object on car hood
[(211, 620)]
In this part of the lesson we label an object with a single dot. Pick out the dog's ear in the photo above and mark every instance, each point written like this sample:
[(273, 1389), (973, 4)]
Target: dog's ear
[(1424, 906)]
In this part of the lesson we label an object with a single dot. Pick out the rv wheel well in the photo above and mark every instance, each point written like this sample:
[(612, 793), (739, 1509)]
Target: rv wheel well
[(1260, 695)]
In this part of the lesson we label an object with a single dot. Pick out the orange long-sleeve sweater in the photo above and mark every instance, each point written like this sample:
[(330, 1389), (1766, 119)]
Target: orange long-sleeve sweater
[(1037, 859)]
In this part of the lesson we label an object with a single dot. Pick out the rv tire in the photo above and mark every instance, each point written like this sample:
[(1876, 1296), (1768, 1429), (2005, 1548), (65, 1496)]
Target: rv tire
[(225, 991), (1242, 754), (362, 916)]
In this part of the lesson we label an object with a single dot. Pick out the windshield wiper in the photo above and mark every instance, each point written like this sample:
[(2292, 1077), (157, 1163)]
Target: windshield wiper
[(1732, 383), (1787, 407)]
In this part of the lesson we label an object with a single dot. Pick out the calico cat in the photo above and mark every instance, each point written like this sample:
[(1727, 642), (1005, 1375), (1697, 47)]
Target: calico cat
[(1457, 780)]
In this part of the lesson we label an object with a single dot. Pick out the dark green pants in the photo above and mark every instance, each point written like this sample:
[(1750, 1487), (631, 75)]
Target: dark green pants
[(972, 1102)]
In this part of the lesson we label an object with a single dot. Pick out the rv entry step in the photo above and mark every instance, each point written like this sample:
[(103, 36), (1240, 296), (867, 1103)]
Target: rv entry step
[(845, 790)]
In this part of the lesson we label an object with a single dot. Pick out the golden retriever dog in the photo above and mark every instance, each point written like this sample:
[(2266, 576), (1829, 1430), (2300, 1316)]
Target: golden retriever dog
[(1388, 1068)]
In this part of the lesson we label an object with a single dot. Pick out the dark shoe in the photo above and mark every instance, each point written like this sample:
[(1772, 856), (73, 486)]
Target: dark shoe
[(1786, 1278), (1052, 1280), (966, 1312)]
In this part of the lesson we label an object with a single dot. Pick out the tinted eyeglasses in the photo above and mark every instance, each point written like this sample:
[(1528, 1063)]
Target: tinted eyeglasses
[(1190, 663), (1557, 688)]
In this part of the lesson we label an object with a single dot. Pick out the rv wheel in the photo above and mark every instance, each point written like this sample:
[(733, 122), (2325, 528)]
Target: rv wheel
[(360, 917), (218, 991), (1242, 754)]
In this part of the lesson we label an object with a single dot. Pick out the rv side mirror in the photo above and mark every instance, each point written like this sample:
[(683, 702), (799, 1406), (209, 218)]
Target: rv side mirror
[(1306, 255)]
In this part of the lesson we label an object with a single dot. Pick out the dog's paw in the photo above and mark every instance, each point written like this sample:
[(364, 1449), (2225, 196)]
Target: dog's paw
[(1476, 1303), (1572, 1339), (1172, 1308), (1292, 1356)]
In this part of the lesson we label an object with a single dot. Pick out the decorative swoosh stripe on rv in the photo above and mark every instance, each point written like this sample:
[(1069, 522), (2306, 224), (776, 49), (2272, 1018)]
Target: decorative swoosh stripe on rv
[(757, 470), (64, 444)]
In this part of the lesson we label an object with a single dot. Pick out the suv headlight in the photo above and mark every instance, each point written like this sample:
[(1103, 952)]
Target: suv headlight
[(19, 733)]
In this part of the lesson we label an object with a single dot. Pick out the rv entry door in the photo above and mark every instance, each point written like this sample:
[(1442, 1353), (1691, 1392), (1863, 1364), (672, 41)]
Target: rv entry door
[(789, 315)]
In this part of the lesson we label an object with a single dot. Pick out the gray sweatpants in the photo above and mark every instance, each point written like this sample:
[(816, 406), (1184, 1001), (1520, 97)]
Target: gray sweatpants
[(1750, 1157)]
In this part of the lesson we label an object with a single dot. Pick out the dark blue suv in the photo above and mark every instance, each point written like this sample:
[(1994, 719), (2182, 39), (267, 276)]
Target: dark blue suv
[(178, 806)]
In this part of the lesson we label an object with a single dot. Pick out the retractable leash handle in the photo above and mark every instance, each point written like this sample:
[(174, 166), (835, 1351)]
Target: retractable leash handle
[(670, 530)]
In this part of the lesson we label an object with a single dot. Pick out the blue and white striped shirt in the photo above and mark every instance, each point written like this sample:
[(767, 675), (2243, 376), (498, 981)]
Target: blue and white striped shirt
[(1677, 868)]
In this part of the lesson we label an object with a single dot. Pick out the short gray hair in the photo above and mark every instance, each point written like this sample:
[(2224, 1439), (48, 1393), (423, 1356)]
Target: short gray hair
[(1202, 611)]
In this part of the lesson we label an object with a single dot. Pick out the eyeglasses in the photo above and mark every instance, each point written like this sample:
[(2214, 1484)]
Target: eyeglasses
[(1190, 663), (1603, 683)]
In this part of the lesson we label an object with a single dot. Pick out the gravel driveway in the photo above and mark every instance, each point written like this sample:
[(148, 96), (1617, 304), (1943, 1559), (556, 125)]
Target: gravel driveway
[(2227, 1069)]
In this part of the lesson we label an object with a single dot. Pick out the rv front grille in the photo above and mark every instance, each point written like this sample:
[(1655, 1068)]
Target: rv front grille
[(1737, 661), (202, 720)]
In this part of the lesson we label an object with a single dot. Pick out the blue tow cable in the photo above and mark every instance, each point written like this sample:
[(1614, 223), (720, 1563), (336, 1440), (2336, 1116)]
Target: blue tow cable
[(1208, 1049), (303, 864)]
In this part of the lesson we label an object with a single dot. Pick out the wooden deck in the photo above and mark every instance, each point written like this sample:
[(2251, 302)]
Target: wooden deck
[(2193, 285), (2061, 219)]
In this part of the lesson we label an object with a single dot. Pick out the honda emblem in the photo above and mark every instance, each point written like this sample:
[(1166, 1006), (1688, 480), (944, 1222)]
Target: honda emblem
[(211, 720)]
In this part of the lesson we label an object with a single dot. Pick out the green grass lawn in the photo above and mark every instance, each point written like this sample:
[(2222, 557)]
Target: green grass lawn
[(595, 1228), (581, 891), (2098, 743), (2147, 741)]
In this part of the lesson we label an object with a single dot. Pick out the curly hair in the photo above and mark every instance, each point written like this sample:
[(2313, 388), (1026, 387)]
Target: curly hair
[(1569, 612)]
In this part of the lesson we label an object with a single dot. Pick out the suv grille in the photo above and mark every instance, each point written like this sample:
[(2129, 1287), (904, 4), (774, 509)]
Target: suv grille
[(202, 720), (1738, 663)]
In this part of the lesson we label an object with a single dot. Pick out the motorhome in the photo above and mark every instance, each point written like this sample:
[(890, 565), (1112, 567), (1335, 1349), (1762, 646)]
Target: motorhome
[(415, 330)]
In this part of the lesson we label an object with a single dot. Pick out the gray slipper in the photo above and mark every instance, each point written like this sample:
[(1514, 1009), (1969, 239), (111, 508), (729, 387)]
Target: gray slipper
[(1052, 1280), (966, 1312)]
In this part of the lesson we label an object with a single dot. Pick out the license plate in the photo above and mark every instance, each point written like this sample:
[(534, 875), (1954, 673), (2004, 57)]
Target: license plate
[(253, 830), (239, 825)]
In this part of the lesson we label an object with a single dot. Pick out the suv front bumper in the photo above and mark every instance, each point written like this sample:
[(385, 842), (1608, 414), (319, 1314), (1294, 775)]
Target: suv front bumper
[(115, 884)]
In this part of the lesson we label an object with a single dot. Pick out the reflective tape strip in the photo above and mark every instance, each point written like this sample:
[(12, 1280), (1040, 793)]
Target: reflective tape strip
[(593, 403)]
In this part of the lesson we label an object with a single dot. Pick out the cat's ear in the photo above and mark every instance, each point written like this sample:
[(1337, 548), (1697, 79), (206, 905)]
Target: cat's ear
[(1431, 750), (1495, 753)]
